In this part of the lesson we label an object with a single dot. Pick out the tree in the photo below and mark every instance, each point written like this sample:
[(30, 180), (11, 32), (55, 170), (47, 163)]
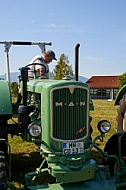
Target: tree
[(61, 65), (14, 88), (122, 80)]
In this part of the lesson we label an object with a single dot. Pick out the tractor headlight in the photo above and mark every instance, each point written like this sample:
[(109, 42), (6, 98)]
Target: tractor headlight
[(104, 126), (34, 129)]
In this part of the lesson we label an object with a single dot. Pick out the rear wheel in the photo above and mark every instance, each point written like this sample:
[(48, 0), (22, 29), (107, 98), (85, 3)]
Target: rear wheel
[(121, 115), (3, 152), (3, 135), (3, 177)]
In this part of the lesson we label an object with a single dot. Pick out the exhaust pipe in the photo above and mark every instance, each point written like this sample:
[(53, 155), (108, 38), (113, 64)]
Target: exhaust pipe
[(24, 78), (76, 61)]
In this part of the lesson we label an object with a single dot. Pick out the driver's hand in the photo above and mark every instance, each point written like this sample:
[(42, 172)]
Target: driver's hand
[(40, 72)]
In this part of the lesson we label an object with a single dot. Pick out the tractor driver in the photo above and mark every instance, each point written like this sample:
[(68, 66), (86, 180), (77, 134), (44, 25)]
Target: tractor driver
[(41, 70)]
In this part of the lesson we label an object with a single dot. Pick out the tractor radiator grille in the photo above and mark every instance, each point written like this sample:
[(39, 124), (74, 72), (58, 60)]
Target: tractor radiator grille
[(69, 112)]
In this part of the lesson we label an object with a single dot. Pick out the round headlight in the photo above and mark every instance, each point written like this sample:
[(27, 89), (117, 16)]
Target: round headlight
[(34, 129), (104, 126)]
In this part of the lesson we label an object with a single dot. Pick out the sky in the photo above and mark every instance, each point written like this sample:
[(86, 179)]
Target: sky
[(99, 26)]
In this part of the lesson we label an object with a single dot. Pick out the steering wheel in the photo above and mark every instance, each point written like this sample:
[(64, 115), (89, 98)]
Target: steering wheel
[(42, 70)]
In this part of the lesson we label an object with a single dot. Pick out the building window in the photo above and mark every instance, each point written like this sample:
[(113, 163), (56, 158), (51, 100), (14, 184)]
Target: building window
[(115, 91), (100, 93)]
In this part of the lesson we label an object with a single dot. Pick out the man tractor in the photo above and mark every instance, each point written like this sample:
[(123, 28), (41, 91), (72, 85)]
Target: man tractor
[(55, 115)]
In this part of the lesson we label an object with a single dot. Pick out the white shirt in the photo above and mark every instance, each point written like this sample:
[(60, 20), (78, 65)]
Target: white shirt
[(38, 59)]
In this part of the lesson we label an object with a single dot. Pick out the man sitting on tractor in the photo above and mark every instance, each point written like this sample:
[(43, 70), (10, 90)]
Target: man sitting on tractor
[(39, 65)]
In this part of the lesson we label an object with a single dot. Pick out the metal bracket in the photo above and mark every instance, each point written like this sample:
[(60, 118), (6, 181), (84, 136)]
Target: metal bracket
[(7, 46), (42, 47)]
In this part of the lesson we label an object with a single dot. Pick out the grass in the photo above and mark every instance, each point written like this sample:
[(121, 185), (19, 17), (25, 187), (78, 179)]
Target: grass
[(103, 109), (25, 156)]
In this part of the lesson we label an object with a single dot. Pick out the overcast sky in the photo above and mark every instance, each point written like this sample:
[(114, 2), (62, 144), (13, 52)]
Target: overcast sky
[(98, 25)]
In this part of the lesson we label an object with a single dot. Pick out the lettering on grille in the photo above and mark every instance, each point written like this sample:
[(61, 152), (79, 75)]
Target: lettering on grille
[(70, 104)]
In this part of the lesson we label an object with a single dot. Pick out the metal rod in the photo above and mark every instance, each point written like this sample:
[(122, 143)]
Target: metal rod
[(7, 67), (25, 43)]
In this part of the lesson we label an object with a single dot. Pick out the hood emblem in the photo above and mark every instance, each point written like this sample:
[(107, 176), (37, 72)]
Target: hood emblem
[(80, 131)]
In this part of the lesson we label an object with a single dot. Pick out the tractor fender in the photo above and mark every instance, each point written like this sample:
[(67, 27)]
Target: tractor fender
[(120, 94)]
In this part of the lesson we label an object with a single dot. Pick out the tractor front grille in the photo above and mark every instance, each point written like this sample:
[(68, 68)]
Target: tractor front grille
[(69, 112)]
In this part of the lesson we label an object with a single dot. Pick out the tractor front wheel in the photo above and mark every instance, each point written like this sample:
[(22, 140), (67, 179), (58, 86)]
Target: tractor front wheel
[(112, 148)]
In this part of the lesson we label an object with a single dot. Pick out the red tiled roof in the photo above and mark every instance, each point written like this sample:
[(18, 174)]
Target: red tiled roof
[(103, 82)]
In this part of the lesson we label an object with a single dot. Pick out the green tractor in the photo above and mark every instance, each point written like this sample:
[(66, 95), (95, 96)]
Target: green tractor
[(55, 115)]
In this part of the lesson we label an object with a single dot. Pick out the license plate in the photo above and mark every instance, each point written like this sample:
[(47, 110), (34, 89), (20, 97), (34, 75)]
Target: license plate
[(73, 148)]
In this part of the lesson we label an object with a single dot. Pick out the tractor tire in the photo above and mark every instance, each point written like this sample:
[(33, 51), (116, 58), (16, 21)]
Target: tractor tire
[(121, 114), (3, 135), (3, 176), (111, 148)]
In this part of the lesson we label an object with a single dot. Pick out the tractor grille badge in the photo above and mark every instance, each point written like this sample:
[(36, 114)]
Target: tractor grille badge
[(80, 131)]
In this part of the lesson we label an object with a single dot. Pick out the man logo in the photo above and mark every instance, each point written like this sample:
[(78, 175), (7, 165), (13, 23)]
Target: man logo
[(70, 104)]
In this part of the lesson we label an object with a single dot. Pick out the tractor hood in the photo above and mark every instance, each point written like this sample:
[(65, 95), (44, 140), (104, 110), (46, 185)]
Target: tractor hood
[(38, 86)]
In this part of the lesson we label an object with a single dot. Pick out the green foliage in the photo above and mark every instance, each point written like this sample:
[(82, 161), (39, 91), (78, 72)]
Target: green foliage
[(122, 80), (14, 88), (62, 63)]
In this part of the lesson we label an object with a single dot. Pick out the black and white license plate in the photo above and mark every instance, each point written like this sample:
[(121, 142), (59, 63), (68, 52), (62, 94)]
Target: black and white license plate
[(73, 148)]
